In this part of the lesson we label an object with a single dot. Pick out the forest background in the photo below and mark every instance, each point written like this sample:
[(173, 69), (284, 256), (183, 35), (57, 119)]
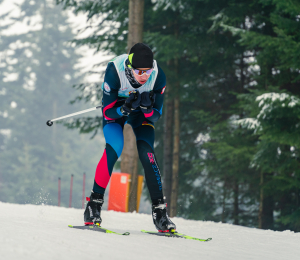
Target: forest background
[(232, 73)]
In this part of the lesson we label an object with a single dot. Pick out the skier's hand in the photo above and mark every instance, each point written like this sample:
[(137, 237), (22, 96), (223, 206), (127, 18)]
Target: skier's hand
[(147, 101), (132, 102)]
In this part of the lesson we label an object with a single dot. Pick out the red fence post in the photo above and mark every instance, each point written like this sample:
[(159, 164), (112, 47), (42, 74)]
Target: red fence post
[(83, 191), (59, 189), (71, 188)]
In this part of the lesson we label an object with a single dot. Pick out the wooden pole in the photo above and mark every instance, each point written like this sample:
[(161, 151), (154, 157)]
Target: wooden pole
[(59, 190), (175, 166), (168, 142), (176, 146), (176, 134), (83, 190), (71, 188)]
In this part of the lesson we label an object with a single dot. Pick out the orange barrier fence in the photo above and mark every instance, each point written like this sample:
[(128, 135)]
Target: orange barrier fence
[(119, 191)]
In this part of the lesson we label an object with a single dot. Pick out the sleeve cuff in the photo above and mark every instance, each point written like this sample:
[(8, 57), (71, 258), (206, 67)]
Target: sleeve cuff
[(148, 114), (119, 111)]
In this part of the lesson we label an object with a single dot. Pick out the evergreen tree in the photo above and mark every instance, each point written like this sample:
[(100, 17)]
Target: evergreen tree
[(274, 36), (35, 155)]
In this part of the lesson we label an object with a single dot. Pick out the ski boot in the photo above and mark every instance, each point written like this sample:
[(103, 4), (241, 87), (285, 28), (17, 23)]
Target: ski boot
[(93, 209), (161, 219)]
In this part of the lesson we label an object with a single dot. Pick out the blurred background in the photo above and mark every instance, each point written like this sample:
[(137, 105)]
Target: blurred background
[(228, 141)]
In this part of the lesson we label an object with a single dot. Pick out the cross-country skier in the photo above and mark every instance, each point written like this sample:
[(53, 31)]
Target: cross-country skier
[(133, 93)]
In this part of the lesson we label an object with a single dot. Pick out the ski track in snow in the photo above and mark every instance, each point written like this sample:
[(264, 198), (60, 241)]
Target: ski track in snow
[(42, 232)]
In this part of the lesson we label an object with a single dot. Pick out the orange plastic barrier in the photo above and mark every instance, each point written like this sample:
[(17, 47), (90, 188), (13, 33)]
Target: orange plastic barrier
[(119, 191)]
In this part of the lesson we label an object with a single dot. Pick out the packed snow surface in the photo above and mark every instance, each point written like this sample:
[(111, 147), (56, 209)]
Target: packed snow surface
[(42, 232)]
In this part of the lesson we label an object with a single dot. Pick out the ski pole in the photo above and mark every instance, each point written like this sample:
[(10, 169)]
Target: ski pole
[(50, 122)]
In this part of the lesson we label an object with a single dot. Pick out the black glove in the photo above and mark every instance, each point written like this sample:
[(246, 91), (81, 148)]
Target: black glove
[(131, 103), (147, 101)]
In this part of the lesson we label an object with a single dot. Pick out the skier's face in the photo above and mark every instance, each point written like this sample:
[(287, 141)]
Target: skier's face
[(142, 78)]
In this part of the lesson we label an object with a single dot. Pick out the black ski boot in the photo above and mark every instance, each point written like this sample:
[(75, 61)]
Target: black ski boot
[(93, 209), (161, 219)]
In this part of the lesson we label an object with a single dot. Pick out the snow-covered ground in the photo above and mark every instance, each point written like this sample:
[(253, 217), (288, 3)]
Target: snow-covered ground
[(42, 232)]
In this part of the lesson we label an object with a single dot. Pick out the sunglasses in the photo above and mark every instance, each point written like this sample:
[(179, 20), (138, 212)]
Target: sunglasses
[(141, 72)]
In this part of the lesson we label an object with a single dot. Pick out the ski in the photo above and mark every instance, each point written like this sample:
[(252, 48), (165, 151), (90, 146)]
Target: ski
[(99, 229), (175, 234)]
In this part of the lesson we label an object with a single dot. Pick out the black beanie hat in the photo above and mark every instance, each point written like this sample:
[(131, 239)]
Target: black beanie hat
[(141, 56)]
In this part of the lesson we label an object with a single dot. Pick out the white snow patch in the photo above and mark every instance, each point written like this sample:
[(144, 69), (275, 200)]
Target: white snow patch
[(10, 77), (3, 91), (41, 232), (267, 102), (202, 138), (13, 104), (277, 96), (250, 123), (6, 132), (4, 114), (278, 151)]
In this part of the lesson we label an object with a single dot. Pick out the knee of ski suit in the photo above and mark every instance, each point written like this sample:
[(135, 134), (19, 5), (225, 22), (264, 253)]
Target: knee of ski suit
[(113, 134)]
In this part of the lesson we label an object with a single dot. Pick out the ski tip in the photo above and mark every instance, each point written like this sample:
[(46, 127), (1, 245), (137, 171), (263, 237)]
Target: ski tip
[(126, 234), (208, 239), (70, 226)]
